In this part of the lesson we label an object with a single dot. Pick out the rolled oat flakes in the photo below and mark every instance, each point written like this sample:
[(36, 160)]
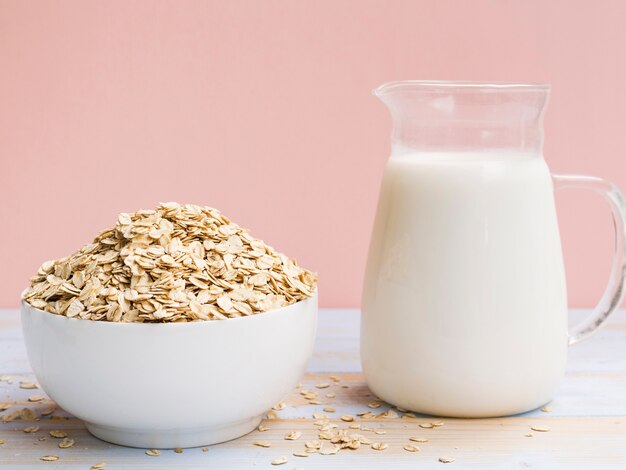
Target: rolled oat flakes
[(176, 263)]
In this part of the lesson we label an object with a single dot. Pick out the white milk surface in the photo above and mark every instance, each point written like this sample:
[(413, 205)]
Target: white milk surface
[(464, 303)]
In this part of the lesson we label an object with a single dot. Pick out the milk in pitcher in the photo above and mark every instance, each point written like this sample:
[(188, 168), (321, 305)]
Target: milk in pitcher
[(459, 241)]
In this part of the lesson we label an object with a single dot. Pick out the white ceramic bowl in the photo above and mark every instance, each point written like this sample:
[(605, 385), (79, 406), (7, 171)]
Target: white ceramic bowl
[(170, 385)]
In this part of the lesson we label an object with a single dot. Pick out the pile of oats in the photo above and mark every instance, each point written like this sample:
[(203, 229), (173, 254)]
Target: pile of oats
[(176, 263)]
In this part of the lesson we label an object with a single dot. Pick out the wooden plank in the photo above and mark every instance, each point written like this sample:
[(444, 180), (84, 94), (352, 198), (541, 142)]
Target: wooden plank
[(573, 442), (337, 345), (587, 421), (589, 443)]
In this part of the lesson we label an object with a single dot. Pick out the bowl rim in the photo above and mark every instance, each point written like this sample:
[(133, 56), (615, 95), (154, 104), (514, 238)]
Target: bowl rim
[(282, 310)]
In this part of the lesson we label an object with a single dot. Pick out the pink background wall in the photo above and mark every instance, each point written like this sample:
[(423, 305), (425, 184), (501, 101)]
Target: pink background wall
[(263, 109)]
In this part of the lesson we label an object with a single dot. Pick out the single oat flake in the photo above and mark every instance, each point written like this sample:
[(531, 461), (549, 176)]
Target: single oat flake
[(48, 411), (66, 443), (176, 263), (28, 385), (540, 428), (314, 444)]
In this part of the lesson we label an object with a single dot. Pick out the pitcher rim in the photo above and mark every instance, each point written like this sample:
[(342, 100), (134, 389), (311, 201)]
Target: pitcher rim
[(461, 85)]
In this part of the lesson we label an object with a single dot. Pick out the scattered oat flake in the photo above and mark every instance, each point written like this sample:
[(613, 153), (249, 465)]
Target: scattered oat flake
[(328, 409), (330, 395), (293, 435), (49, 458), (411, 448), (66, 443), (28, 385), (2, 441), (205, 449), (329, 450), (263, 443), (540, 428), (313, 444), (5, 406), (380, 431), (31, 429), (48, 411), (262, 428), (528, 435), (26, 414), (437, 424), (426, 425), (446, 459), (322, 385), (301, 454), (11, 416), (417, 439), (271, 414), (389, 414), (36, 398), (280, 406), (98, 466), (178, 450), (153, 452), (347, 418), (58, 434), (546, 408), (334, 378), (280, 460), (374, 404), (379, 446)]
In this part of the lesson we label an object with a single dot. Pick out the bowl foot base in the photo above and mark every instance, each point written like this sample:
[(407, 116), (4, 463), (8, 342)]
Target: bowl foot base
[(170, 439)]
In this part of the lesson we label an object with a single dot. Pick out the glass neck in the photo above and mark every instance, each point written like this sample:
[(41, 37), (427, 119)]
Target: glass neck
[(464, 116)]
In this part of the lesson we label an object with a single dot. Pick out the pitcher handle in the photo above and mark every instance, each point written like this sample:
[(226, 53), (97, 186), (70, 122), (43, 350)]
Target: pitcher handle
[(614, 291)]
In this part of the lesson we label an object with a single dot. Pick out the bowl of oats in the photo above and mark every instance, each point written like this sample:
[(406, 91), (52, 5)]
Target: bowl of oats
[(174, 328)]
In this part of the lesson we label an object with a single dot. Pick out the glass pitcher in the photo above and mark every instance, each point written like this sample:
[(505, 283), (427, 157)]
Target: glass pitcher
[(464, 300)]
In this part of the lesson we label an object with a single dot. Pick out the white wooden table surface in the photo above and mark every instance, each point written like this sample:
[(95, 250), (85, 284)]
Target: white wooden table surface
[(587, 420)]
